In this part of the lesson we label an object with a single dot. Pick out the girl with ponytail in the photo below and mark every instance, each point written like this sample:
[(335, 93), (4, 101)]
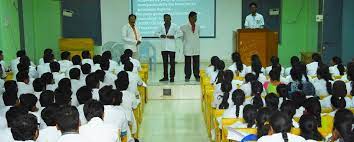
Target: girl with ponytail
[(212, 67), (238, 68), (283, 93), (257, 69), (350, 78), (257, 100), (343, 131), (323, 83), (280, 130), (235, 111), (337, 68), (313, 106), (309, 128), (246, 87), (217, 76), (275, 65), (221, 100), (338, 99), (249, 115), (293, 61), (314, 65), (262, 121)]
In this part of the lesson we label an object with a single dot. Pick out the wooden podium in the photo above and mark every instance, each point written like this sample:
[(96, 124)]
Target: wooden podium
[(256, 41)]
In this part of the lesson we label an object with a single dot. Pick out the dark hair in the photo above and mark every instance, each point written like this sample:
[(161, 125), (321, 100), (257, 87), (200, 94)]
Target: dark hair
[(257, 89), (25, 128), (275, 62), (249, 115), (299, 98), (131, 15), (54, 67), (225, 88), (338, 102), (236, 58), (76, 59), (272, 101), (343, 115), (48, 114), (74, 73), (28, 101), (46, 98), (122, 82), (192, 13), (97, 59), (100, 75), (104, 64), (338, 61), (281, 124), (128, 66), (118, 97), (62, 98), (47, 58), (25, 60), (106, 55), (65, 55), (288, 108), (238, 97), (13, 113), (165, 15), (252, 4), (274, 75), (249, 77), (344, 126), (338, 95), (47, 51), (124, 58), (10, 95), (93, 109), (22, 76), (64, 86), (92, 81), (22, 67), (105, 95), (302, 69), (228, 76), (220, 67), (47, 78), (294, 60), (317, 58), (38, 85), (213, 61), (68, 119), (309, 128), (323, 73), (86, 68), (21, 53), (263, 116), (128, 52), (256, 65), (84, 94), (283, 91), (86, 54)]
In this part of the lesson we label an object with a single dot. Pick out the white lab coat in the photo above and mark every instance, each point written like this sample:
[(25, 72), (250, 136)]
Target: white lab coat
[(191, 41), (320, 87), (6, 135), (14, 63), (82, 117), (134, 81), (169, 44), (116, 117), (254, 22), (233, 68), (110, 78), (279, 138), (58, 76), (72, 138), (43, 68), (4, 69), (49, 134), (312, 68), (24, 88), (65, 65), (136, 64), (128, 37), (96, 131), (268, 69), (87, 61)]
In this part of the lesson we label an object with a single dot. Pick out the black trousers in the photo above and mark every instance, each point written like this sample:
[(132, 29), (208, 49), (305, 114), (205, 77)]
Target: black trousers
[(165, 56), (188, 60)]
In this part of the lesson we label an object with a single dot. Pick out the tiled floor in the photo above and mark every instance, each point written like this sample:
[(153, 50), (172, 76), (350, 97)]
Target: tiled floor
[(173, 121)]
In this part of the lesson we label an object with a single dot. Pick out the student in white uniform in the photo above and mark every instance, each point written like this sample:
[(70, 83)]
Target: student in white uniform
[(10, 89), (45, 52), (272, 101), (217, 76), (294, 60), (280, 130), (237, 66), (134, 79), (44, 68), (86, 58), (254, 20), (84, 94), (235, 111), (68, 123), (246, 87), (28, 102), (131, 36), (257, 69), (93, 83), (309, 128), (38, 87), (23, 83), (11, 115), (46, 99), (49, 81), (25, 65), (288, 108), (86, 70), (314, 65), (256, 100), (211, 68), (337, 68), (249, 115), (313, 107), (114, 67), (4, 67), (130, 100), (55, 70), (228, 76), (109, 76), (76, 64), (136, 63), (65, 62), (27, 130), (275, 64), (96, 63), (76, 83), (223, 100), (338, 99), (191, 46), (168, 33), (342, 128), (323, 83), (50, 133), (262, 121), (16, 61), (96, 130)]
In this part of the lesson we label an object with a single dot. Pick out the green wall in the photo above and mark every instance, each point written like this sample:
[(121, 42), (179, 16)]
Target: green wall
[(299, 28), (9, 29)]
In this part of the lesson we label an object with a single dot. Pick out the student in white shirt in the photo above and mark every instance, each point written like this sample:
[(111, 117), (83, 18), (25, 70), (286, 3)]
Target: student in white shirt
[(55, 70), (44, 68), (28, 102), (342, 128), (93, 83), (86, 70), (76, 59), (223, 100), (11, 115), (314, 65), (10, 100), (246, 87), (16, 61), (299, 99), (256, 99), (46, 99), (114, 67), (136, 63), (235, 111), (109, 76), (26, 130), (237, 66), (4, 68), (257, 69), (262, 121), (23, 84), (63, 93), (131, 36), (50, 133), (49, 81), (96, 63), (323, 83), (228, 76), (249, 115), (294, 60), (337, 68), (10, 89), (25, 65), (309, 128), (65, 62), (254, 20), (280, 130), (68, 123), (38, 87), (274, 64), (130, 100), (96, 130), (134, 79), (272, 101), (217, 76), (84, 94), (86, 58), (288, 108), (211, 68), (76, 83), (45, 52), (338, 99)]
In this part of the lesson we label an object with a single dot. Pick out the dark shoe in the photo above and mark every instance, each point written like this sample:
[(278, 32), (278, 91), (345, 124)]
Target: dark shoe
[(187, 80), (163, 79), (197, 79), (172, 80)]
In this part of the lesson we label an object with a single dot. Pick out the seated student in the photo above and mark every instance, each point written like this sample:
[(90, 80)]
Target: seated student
[(45, 52), (223, 97), (27, 130), (350, 70), (257, 69), (85, 69), (249, 115), (130, 100), (109, 76), (50, 133), (49, 81), (38, 87), (62, 98), (55, 70), (271, 86), (312, 106), (350, 79), (86, 58), (100, 75), (96, 63), (16, 61), (76, 83), (217, 76), (314, 65), (237, 67), (342, 131), (25, 65), (10, 100), (96, 130), (136, 63), (294, 60), (288, 108), (23, 83), (246, 87), (256, 99), (134, 79), (68, 123), (93, 83), (283, 93), (309, 128), (280, 130), (211, 68), (323, 83), (296, 83), (275, 64), (338, 99), (299, 99), (113, 65), (11, 115), (83, 95), (28, 102), (46, 99), (64, 87), (262, 121), (44, 68), (235, 111), (4, 67), (76, 59), (10, 90), (114, 115), (337, 68), (228, 76), (65, 62), (272, 101)]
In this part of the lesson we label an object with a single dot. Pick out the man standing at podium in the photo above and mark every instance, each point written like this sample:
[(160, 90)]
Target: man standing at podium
[(254, 20)]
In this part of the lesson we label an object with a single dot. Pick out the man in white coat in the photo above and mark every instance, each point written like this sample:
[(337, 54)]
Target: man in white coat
[(191, 46), (168, 32), (131, 36)]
